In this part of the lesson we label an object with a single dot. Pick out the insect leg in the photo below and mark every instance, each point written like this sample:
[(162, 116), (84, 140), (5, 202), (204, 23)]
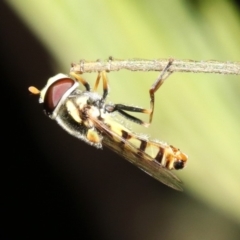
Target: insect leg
[(117, 107), (121, 107), (97, 82), (156, 85), (105, 84), (81, 80)]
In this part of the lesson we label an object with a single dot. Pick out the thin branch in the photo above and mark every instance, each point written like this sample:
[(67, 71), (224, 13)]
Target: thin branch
[(157, 65)]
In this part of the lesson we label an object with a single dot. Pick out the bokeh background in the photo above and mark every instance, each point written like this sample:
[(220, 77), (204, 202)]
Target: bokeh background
[(56, 186)]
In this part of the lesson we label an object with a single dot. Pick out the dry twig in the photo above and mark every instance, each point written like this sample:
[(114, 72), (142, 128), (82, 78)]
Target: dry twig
[(157, 65)]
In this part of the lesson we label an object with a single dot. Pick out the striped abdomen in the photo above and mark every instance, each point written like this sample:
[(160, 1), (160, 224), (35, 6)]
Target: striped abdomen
[(167, 155)]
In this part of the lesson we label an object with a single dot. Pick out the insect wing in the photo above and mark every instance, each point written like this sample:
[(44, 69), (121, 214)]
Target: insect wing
[(139, 158)]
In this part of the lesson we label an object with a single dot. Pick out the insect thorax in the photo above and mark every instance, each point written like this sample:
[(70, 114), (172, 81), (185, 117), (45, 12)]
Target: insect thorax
[(73, 115)]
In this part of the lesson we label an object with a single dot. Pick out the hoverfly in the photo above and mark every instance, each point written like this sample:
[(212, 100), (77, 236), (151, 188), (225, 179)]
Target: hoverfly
[(87, 116)]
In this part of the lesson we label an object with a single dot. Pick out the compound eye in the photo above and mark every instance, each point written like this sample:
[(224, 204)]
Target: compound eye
[(55, 93), (179, 165)]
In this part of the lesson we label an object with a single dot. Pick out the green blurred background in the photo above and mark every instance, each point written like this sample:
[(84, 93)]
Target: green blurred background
[(105, 198)]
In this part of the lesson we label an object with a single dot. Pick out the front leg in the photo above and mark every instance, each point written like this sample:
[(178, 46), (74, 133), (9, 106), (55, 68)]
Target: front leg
[(81, 80)]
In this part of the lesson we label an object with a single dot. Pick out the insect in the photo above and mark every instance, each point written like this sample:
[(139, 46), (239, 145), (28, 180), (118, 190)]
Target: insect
[(87, 116)]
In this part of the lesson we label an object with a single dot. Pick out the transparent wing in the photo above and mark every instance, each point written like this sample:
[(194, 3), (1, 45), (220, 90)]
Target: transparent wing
[(136, 157)]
